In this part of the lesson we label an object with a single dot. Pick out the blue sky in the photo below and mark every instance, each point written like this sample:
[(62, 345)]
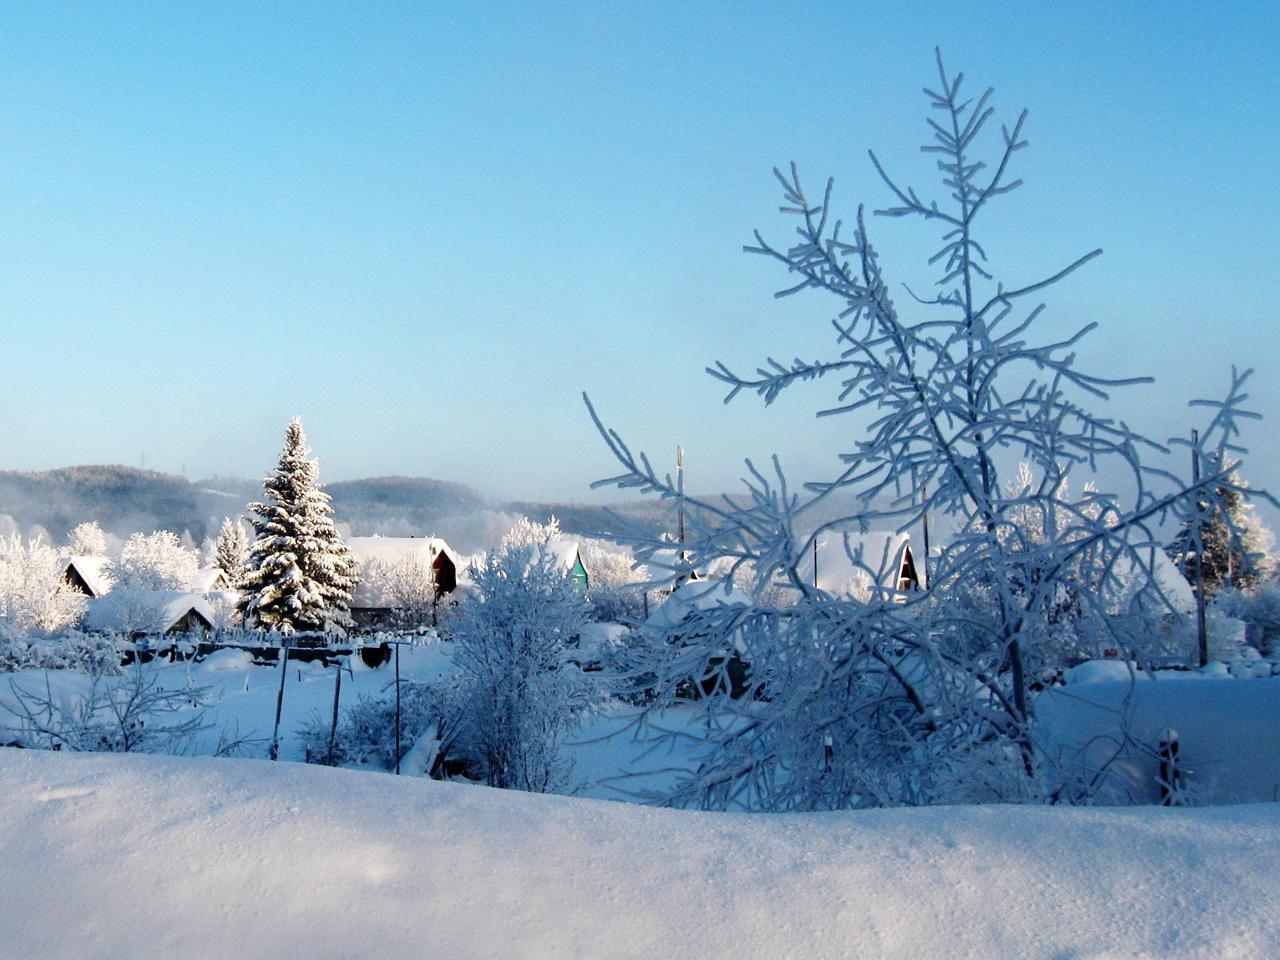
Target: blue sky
[(428, 228)]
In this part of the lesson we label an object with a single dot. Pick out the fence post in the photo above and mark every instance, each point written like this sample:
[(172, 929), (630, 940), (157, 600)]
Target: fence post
[(397, 644), (1170, 769), (284, 673), (333, 729)]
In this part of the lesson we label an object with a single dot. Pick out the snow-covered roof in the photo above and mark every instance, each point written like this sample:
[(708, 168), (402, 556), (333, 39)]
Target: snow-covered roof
[(665, 565), (207, 580), (1175, 587), (695, 595), (881, 551), (390, 551), (395, 549), (565, 552), (92, 571), (148, 611)]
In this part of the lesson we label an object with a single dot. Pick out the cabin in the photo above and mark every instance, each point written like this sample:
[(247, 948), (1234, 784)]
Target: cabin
[(141, 613), (87, 575), (831, 567), (569, 556), (372, 606)]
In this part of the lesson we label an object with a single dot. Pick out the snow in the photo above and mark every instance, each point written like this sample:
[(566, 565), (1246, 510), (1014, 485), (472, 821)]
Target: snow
[(390, 551), (1229, 739), (564, 552), (122, 611), (92, 571), (251, 859), (881, 552), (206, 580), (695, 595)]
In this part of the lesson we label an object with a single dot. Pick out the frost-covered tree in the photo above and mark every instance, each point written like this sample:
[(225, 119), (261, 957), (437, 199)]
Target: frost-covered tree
[(156, 561), (231, 551), (87, 540), (526, 533), (521, 695), (618, 584), (34, 596), (1236, 545), (406, 586), (910, 698), (299, 575)]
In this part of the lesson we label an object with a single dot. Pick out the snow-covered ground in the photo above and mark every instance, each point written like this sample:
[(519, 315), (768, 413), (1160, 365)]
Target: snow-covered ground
[(124, 856), (608, 760)]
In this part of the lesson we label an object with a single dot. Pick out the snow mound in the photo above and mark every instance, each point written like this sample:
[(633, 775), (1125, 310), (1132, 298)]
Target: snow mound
[(128, 856)]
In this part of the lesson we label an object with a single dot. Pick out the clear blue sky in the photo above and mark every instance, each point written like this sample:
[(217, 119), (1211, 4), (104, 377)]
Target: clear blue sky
[(427, 229)]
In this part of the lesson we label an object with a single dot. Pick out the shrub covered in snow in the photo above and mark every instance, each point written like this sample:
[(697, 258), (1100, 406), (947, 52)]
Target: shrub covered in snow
[(519, 692), (34, 597), (70, 650), (366, 733)]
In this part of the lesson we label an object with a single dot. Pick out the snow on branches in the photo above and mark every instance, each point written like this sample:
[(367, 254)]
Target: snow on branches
[(914, 697), (299, 575)]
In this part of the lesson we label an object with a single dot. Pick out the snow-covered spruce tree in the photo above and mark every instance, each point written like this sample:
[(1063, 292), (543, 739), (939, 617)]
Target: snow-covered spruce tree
[(299, 575), (231, 551), (87, 540), (909, 698), (1235, 543), (156, 561), (520, 693)]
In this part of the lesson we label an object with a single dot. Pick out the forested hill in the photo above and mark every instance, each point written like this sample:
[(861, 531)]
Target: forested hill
[(125, 500)]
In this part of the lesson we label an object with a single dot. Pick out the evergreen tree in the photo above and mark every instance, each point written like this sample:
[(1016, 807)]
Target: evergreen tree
[(299, 575), (1236, 544), (231, 551)]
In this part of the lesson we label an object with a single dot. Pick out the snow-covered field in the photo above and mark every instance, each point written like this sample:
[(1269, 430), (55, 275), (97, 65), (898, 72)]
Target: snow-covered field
[(121, 856)]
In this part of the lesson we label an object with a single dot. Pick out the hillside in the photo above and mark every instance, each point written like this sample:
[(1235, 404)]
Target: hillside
[(126, 499), (136, 856)]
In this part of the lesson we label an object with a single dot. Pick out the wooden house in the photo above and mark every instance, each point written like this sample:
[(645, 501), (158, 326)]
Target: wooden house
[(855, 564), (87, 575)]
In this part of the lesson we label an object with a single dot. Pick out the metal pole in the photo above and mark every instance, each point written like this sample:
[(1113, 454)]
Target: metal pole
[(1201, 631), (397, 708), (815, 563)]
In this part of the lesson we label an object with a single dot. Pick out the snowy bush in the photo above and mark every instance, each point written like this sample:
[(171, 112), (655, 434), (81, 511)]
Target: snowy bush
[(911, 697), (83, 652), (125, 711), (34, 597), (157, 561), (520, 694), (617, 591), (407, 586), (366, 733), (1261, 611)]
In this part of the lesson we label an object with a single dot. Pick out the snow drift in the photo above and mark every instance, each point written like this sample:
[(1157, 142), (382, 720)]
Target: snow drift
[(132, 856)]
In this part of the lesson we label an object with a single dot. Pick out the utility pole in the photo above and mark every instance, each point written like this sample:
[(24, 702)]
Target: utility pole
[(924, 563), (680, 491), (1201, 631)]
